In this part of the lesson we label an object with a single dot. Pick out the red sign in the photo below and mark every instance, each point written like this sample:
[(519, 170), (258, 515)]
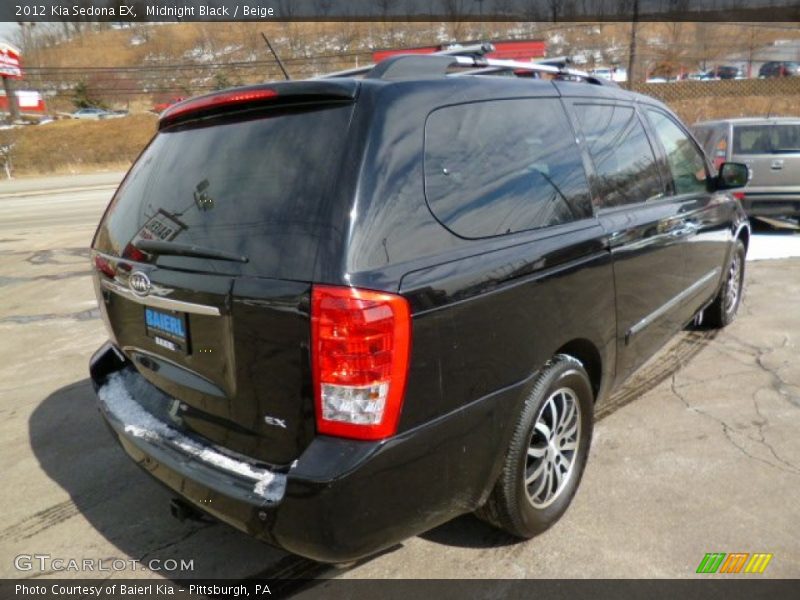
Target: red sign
[(10, 65), (27, 101)]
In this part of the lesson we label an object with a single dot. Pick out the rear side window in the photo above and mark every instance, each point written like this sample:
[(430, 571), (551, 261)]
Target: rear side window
[(499, 167), (686, 164), (766, 139), (251, 185), (626, 171)]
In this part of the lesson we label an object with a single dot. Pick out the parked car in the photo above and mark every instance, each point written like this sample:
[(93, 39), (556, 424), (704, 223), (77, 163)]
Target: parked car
[(691, 76), (723, 72), (114, 114), (344, 311), (779, 68), (618, 74), (770, 147), (90, 113)]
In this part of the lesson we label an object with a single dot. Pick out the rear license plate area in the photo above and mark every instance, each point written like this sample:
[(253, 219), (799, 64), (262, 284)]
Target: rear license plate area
[(168, 329)]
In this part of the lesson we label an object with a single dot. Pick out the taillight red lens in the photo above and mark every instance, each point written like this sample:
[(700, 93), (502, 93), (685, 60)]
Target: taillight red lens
[(102, 265), (360, 354), (133, 253), (214, 100), (738, 195)]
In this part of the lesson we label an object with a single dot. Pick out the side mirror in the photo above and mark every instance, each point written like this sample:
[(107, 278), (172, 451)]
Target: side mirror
[(732, 175)]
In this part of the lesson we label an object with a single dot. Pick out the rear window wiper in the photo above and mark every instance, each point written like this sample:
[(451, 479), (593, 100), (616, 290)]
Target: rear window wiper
[(173, 249)]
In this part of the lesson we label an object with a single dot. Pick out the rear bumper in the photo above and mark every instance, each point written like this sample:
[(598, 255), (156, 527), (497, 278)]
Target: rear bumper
[(771, 203), (341, 500)]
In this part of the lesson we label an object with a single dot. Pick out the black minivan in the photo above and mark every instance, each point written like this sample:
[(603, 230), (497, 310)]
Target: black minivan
[(343, 311)]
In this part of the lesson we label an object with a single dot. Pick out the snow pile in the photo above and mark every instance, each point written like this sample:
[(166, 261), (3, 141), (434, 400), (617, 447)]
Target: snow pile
[(140, 423), (773, 246)]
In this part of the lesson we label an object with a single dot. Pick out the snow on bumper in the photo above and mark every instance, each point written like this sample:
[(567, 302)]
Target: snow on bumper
[(132, 420)]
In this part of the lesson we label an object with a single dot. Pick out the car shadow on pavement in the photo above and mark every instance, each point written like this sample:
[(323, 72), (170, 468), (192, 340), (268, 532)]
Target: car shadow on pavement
[(129, 509), (468, 531), (678, 352)]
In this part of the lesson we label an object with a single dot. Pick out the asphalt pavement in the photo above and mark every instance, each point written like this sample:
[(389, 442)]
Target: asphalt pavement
[(699, 453)]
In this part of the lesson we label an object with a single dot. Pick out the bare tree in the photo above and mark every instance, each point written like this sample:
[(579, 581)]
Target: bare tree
[(632, 45), (454, 11)]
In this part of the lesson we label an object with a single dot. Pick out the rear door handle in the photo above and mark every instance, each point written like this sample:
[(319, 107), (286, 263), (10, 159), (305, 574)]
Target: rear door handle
[(617, 238), (777, 164)]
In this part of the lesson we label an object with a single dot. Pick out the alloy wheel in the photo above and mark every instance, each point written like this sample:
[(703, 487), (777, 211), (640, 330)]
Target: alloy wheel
[(553, 448), (733, 283)]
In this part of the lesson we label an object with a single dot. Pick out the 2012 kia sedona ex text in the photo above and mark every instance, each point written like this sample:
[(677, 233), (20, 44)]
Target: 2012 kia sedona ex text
[(343, 311)]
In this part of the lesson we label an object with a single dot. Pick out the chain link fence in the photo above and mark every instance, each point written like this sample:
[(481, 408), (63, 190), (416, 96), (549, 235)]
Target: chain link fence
[(727, 98), (686, 90)]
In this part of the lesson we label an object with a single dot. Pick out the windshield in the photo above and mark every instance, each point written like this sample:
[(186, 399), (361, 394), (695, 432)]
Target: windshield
[(252, 186), (766, 139)]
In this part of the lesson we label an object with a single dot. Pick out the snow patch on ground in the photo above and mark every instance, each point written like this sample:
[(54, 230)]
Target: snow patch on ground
[(140, 423), (773, 246)]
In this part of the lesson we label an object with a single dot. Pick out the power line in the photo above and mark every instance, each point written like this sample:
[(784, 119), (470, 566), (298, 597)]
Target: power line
[(182, 66)]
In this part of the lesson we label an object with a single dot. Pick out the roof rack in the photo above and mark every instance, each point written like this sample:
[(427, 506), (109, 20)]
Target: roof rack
[(439, 64), (474, 50)]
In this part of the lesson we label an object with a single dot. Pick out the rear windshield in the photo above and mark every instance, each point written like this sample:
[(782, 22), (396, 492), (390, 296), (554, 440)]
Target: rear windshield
[(766, 139), (250, 185)]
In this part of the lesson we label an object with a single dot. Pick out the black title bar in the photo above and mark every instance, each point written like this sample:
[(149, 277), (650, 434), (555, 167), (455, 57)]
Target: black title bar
[(400, 10), (711, 588)]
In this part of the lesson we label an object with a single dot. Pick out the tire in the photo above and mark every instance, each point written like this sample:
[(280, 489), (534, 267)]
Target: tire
[(527, 510), (722, 310)]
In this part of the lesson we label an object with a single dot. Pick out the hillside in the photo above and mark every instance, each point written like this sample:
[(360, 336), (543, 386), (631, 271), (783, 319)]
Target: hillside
[(73, 146), (134, 66)]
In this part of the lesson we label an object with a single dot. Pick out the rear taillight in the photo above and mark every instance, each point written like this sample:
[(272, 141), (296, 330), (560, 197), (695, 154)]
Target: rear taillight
[(739, 195), (204, 103), (360, 353), (103, 266)]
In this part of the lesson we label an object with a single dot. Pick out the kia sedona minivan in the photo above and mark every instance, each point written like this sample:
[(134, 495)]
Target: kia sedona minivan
[(346, 310)]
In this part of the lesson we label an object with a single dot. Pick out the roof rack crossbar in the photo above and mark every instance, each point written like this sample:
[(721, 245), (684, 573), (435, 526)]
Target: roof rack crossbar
[(471, 50), (472, 57), (537, 68)]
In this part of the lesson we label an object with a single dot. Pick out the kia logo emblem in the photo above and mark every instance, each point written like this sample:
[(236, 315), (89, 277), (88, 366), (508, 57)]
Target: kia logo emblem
[(139, 283)]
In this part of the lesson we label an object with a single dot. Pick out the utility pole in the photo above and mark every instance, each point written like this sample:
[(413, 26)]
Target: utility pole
[(632, 49), (11, 98)]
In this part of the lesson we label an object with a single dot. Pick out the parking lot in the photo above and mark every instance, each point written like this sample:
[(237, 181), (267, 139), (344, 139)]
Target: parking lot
[(699, 453)]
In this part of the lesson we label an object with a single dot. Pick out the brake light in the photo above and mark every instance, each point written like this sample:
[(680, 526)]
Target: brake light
[(360, 354), (215, 100), (738, 195)]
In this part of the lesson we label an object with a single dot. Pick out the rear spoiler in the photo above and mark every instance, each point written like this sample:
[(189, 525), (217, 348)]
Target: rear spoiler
[(291, 92)]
